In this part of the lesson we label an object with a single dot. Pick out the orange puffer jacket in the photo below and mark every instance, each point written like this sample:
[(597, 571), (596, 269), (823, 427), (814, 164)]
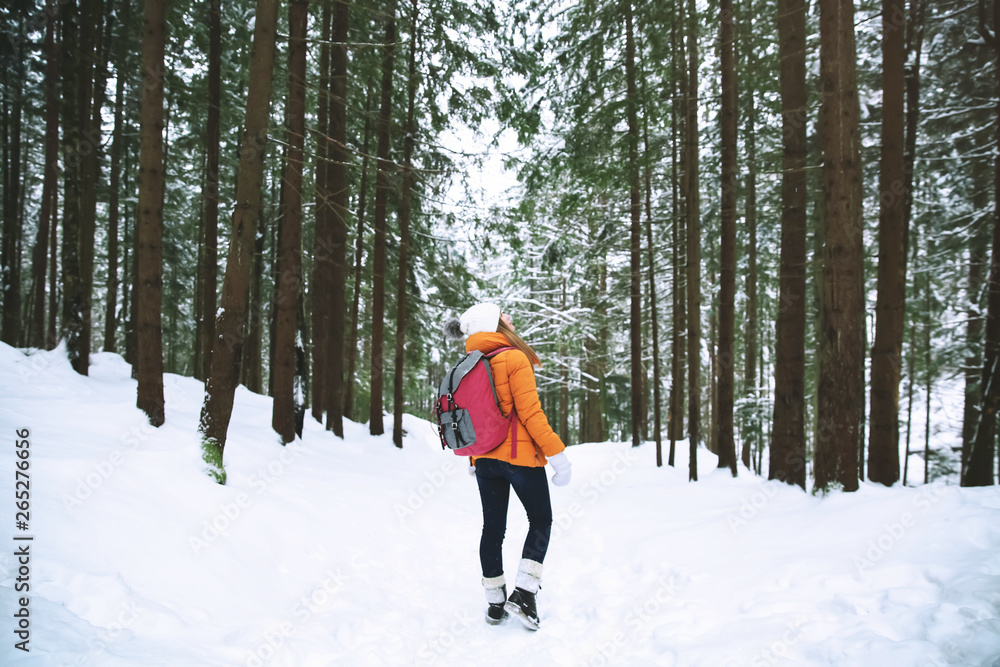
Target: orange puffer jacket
[(514, 380)]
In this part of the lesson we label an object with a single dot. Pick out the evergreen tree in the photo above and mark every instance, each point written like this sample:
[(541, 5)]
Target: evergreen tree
[(692, 197), (149, 226), (13, 73), (978, 469), (208, 273), (221, 384), (883, 452), (635, 210), (289, 282), (840, 409), (376, 425), (47, 215), (727, 288), (337, 188), (404, 230)]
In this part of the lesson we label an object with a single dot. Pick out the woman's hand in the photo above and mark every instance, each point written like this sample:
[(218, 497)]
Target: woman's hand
[(563, 469)]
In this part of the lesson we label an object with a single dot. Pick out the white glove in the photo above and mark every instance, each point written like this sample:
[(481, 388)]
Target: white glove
[(563, 469), (471, 470)]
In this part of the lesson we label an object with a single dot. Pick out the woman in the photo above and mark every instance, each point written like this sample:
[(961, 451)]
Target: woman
[(517, 463)]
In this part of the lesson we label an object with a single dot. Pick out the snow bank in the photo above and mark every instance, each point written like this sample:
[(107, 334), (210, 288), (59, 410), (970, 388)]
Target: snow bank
[(353, 552)]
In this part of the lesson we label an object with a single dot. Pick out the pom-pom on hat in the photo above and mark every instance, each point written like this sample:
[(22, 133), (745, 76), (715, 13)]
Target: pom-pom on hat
[(453, 329), (482, 317)]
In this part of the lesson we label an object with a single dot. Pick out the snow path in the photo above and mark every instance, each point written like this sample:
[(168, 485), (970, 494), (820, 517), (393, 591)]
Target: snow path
[(353, 552)]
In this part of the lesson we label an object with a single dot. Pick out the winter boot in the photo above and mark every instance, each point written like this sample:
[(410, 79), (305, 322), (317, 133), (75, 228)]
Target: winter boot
[(522, 601), (496, 596)]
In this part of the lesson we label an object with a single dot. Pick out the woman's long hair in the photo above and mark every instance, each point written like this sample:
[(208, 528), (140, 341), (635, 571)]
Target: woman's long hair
[(518, 342)]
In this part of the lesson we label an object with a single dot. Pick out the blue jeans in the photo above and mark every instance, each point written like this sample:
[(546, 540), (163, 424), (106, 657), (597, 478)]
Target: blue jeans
[(532, 488)]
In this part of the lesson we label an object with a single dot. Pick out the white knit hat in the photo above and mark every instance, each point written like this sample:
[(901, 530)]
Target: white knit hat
[(482, 317)]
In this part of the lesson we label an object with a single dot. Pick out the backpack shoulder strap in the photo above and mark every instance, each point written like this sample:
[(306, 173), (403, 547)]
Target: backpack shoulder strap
[(498, 351), (451, 379), (513, 410)]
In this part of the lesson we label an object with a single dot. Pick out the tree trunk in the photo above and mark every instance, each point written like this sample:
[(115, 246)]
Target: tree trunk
[(170, 365), (840, 407), (404, 232), (564, 385), (114, 208), (46, 220), (751, 439), (322, 241), (272, 307), (301, 385), (974, 323), (914, 48), (253, 348), (221, 385), (635, 208), (928, 372), (131, 324), (168, 353), (595, 347), (359, 245), (149, 225), (693, 247), (676, 421), (51, 337), (72, 123), (10, 261), (198, 353), (753, 435), (209, 269), (290, 230), (96, 70), (382, 187), (338, 189), (890, 307), (712, 428), (83, 140), (653, 316), (727, 268), (978, 469), (788, 439), (910, 383)]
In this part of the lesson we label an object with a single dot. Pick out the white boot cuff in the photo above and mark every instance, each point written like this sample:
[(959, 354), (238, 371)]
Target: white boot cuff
[(495, 589), (529, 575)]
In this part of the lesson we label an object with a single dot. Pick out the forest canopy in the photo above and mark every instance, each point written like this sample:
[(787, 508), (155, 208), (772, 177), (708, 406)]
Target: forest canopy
[(768, 228)]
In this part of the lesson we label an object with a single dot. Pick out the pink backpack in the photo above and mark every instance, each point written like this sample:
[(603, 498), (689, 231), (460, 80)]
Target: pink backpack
[(468, 413)]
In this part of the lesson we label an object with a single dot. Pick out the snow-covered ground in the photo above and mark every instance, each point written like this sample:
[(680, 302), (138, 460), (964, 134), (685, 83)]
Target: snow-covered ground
[(330, 552)]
